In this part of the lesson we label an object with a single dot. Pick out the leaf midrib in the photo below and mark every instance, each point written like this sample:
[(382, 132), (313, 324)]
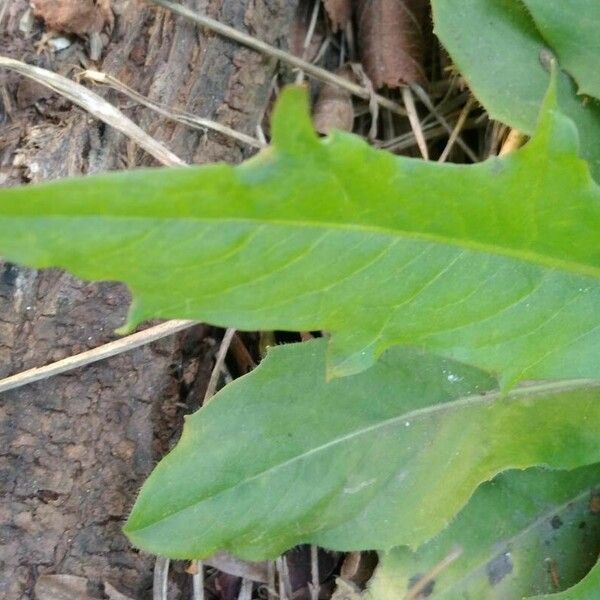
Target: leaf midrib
[(535, 258), (417, 414)]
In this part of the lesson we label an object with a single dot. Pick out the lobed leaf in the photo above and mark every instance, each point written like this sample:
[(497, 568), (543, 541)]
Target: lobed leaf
[(383, 458), (504, 64), (524, 533), (572, 29), (495, 264)]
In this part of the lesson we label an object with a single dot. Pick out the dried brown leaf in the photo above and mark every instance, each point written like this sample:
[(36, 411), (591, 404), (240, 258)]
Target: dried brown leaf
[(339, 12), (358, 567), (75, 16), (350, 566), (391, 36), (333, 109)]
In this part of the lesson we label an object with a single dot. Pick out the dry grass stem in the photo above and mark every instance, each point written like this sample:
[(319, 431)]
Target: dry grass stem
[(514, 140), (373, 105), (124, 344), (245, 590), (174, 115), (431, 131), (424, 98), (96, 106), (198, 581), (263, 47), (211, 388), (161, 578), (415, 122), (308, 37), (271, 592), (464, 113), (315, 585), (284, 579)]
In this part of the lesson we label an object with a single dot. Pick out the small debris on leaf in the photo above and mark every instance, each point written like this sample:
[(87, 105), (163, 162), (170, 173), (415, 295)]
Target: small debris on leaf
[(498, 568)]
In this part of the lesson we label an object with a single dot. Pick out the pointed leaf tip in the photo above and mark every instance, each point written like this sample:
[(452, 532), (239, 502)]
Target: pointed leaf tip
[(291, 124)]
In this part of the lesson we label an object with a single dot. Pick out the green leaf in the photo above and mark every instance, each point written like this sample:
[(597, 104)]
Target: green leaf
[(495, 264), (587, 589), (524, 533), (375, 460), (572, 30), (499, 51)]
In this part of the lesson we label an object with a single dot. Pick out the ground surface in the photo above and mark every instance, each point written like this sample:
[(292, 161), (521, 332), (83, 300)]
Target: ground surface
[(76, 448)]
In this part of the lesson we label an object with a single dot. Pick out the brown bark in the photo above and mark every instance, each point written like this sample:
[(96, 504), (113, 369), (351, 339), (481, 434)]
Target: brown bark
[(75, 448)]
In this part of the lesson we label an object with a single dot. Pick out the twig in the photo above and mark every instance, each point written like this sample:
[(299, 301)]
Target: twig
[(95, 105), (198, 581), (415, 591), (424, 98), (415, 123), (211, 388), (457, 128), (175, 115), (124, 344), (315, 586), (161, 578), (260, 46)]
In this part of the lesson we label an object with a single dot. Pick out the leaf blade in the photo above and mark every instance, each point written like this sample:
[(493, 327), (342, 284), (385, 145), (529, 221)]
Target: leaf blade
[(508, 286), (571, 29), (366, 472), (511, 533), (502, 66)]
